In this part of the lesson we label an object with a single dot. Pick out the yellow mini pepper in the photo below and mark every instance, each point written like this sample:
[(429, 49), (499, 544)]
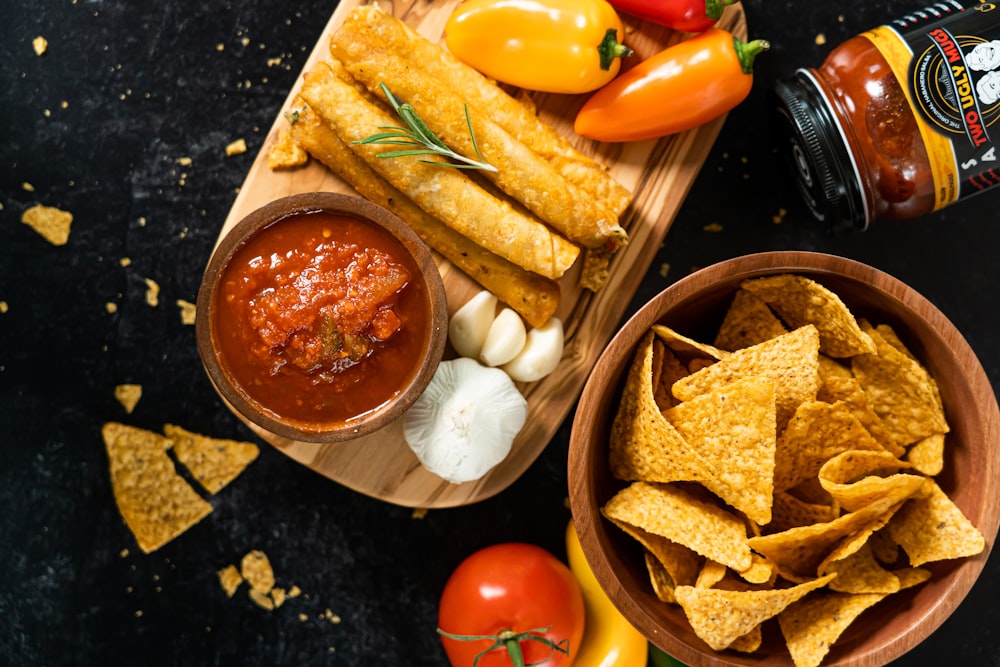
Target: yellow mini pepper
[(555, 46)]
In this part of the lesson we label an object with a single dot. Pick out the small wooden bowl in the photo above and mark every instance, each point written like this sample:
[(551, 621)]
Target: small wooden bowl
[(265, 421), (695, 306)]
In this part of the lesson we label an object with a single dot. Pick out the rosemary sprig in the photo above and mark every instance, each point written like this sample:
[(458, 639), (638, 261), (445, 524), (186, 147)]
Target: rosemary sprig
[(416, 133)]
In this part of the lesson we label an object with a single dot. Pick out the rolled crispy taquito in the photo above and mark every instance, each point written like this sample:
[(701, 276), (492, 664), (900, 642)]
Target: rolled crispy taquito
[(520, 172), (486, 98), (444, 192), (533, 297)]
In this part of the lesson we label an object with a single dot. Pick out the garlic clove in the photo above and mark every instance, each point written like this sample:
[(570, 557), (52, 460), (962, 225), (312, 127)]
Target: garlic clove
[(540, 355), (465, 422), (504, 340), (470, 324)]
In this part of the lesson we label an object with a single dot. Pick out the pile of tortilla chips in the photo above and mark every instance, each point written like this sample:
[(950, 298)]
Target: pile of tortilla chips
[(784, 471)]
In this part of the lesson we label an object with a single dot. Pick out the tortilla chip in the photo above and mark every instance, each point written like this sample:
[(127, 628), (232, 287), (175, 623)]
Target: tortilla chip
[(791, 361), (901, 392), (811, 626), (748, 321), (52, 223), (927, 455), (857, 478), (668, 511), (643, 444), (931, 527), (661, 581), (761, 571), (718, 617), (848, 391), (816, 433), (156, 503), (286, 153), (800, 301), (733, 429), (213, 462)]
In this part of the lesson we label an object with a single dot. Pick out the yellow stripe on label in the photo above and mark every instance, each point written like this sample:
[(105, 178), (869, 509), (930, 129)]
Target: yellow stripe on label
[(940, 151)]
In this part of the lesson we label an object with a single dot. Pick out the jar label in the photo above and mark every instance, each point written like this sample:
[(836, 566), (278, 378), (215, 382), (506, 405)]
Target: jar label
[(948, 58)]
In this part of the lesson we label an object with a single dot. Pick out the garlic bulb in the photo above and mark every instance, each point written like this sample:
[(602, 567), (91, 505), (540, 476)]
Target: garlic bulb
[(465, 422)]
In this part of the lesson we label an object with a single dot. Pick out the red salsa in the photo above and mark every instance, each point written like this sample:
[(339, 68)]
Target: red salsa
[(321, 318)]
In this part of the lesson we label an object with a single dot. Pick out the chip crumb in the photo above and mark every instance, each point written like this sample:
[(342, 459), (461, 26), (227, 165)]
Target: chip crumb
[(111, 307), (256, 569), (713, 227), (40, 45), (27, 187), (123, 553), (820, 39), (124, 262), (128, 395), (664, 269), (152, 292), (261, 599), (184, 161), (3, 307), (286, 153), (52, 223), (418, 513), (236, 147), (780, 216), (278, 596), (330, 616), (303, 617), (188, 310), (138, 613), (294, 592)]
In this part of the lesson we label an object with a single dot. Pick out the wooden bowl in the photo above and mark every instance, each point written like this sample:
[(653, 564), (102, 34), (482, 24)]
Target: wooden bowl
[(695, 306), (425, 291)]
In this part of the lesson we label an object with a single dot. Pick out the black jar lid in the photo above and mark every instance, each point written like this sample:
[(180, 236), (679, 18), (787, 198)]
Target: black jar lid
[(818, 154)]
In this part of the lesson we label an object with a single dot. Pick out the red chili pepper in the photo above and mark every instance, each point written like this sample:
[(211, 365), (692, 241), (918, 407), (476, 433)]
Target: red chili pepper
[(683, 15), (682, 87)]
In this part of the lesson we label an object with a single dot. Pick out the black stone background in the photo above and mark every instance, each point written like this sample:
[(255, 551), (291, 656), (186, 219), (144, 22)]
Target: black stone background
[(97, 125)]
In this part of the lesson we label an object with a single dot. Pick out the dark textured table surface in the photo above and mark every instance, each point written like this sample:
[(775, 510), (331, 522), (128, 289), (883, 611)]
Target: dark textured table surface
[(100, 125)]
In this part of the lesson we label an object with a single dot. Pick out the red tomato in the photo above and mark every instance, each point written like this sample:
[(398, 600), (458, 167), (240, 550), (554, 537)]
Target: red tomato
[(511, 588)]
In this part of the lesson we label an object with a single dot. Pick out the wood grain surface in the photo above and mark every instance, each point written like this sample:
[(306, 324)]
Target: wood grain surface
[(659, 173)]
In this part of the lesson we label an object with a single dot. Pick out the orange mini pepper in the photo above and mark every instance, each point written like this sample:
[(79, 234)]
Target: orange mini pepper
[(682, 87), (554, 46)]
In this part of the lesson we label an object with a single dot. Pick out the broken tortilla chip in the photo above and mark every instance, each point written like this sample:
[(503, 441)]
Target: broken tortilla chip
[(155, 501), (213, 462)]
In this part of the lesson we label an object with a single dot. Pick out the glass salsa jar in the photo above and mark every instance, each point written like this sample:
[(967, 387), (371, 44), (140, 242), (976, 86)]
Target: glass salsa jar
[(896, 122)]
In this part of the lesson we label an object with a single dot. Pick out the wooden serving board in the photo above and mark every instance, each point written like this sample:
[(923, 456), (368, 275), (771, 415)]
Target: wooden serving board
[(658, 172)]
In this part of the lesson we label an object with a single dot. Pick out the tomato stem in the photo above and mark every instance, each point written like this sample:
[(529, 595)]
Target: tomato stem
[(747, 51), (510, 641), (610, 48)]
